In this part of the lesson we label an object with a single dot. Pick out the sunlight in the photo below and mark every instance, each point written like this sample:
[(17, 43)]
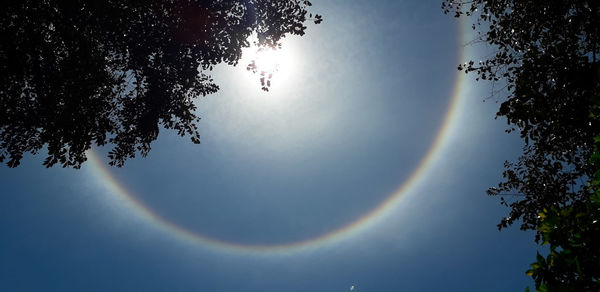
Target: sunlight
[(270, 120), (269, 68), (268, 60)]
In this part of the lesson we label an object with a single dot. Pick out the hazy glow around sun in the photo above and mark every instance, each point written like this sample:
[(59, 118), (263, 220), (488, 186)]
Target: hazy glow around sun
[(270, 121), (269, 66), (268, 60)]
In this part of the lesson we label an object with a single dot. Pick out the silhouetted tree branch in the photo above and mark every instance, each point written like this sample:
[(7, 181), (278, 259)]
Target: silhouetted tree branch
[(547, 53), (81, 73)]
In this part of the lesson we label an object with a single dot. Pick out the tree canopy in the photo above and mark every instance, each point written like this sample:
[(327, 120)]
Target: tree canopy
[(82, 73), (546, 54)]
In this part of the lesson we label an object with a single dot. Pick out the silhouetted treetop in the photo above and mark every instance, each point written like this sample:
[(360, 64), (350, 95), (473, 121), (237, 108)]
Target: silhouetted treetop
[(78, 73), (546, 55)]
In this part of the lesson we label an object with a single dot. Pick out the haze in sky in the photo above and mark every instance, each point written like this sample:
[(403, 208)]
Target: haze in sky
[(364, 168)]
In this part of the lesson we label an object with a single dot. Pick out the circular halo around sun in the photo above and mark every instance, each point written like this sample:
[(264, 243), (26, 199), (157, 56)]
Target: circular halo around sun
[(362, 222)]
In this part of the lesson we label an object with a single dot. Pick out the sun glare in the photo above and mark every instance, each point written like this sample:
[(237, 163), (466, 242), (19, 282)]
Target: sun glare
[(268, 60), (269, 67)]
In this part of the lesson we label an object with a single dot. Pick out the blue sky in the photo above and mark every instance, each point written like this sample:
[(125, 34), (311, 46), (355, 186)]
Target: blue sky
[(363, 98)]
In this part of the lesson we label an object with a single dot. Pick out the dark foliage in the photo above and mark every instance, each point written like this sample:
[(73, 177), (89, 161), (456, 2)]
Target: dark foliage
[(547, 55), (573, 263), (78, 73)]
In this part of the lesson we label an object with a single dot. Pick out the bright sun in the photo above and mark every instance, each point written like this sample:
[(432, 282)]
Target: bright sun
[(271, 66), (268, 59)]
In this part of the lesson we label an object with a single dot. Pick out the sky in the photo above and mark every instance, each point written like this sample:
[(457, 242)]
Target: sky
[(364, 168)]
